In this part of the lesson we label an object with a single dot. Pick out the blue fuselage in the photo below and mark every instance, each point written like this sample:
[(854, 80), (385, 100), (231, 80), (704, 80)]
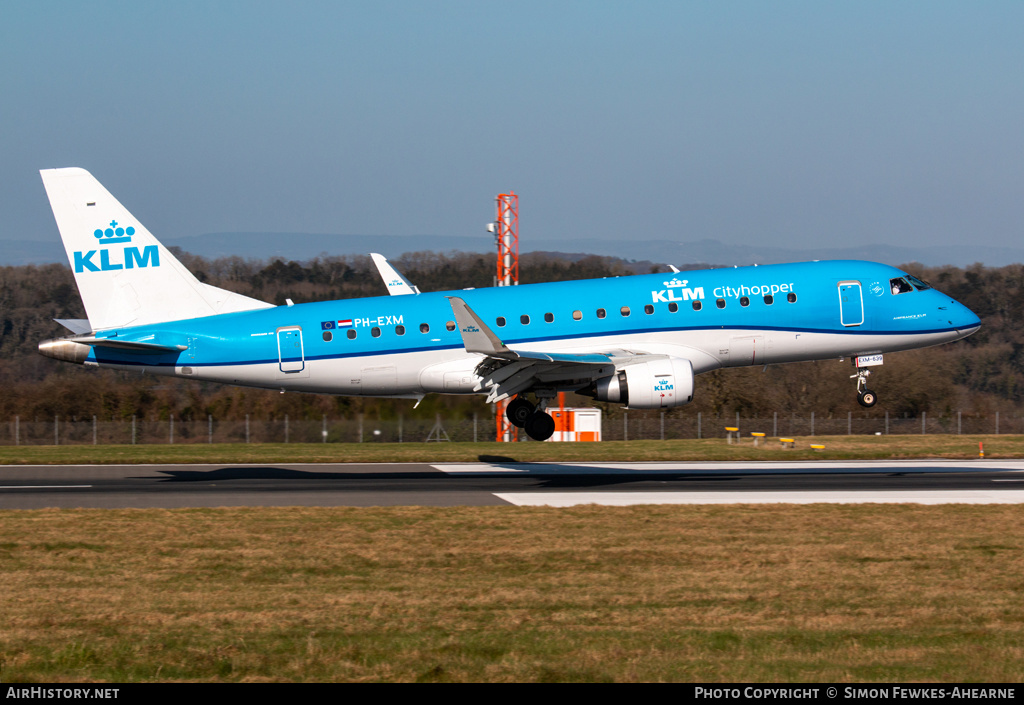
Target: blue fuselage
[(714, 318)]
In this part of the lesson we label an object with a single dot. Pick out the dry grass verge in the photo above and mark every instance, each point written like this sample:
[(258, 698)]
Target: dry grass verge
[(659, 593)]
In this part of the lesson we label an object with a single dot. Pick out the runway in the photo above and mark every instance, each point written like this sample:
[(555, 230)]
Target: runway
[(496, 482)]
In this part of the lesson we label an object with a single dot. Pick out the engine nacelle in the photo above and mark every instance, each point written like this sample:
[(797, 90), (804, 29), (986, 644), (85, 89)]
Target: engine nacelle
[(656, 384)]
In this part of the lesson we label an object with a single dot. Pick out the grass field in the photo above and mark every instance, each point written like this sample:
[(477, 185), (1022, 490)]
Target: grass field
[(836, 448), (741, 593), (662, 593)]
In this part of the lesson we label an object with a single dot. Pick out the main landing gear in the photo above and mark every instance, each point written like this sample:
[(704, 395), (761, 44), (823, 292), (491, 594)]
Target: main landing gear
[(865, 397), (538, 424)]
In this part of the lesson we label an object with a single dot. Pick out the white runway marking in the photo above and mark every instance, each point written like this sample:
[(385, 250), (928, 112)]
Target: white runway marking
[(41, 487), (625, 499), (773, 467)]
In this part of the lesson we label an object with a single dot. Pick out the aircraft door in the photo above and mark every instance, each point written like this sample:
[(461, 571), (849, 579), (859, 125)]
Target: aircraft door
[(291, 357), (851, 303)]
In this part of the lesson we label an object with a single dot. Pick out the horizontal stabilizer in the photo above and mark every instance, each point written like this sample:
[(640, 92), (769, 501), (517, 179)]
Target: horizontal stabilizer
[(127, 344), (77, 349), (78, 326)]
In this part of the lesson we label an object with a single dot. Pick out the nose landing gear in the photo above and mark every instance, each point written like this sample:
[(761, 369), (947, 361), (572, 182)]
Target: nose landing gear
[(865, 397)]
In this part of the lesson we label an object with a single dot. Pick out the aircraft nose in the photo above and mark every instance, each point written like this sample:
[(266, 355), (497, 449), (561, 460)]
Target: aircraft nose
[(963, 318)]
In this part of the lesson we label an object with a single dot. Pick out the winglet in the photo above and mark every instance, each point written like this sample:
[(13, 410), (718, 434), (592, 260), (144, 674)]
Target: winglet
[(397, 284), (476, 336)]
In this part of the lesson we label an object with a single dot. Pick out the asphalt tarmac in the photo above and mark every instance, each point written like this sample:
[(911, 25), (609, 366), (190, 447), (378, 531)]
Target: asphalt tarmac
[(496, 482)]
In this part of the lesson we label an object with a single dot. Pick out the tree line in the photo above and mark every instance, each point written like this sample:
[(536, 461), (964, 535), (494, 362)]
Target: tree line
[(979, 375)]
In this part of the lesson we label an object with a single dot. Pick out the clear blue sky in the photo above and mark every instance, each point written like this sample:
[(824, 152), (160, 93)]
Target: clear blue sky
[(784, 123)]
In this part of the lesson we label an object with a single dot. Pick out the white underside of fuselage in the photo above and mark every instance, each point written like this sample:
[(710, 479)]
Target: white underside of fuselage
[(451, 371)]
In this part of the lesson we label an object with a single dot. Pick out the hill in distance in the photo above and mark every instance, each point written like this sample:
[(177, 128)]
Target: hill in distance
[(306, 246)]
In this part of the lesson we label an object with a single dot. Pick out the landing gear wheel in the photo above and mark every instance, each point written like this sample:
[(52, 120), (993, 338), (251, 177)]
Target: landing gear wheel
[(867, 398), (540, 426), (518, 411)]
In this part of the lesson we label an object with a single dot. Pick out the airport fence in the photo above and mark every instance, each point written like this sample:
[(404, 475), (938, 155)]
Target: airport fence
[(623, 425)]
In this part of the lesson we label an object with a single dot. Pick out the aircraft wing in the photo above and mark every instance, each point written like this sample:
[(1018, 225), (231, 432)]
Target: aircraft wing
[(506, 372), (397, 284)]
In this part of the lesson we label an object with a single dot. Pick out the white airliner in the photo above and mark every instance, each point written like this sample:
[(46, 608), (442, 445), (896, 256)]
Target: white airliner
[(637, 340)]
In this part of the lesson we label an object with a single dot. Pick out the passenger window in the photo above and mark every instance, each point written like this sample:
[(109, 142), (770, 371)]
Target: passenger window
[(424, 328), (524, 319), (450, 325), (898, 285), (696, 305), (328, 336), (399, 330), (500, 321), (673, 307), (577, 315), (375, 332), (648, 309), (769, 299), (720, 303), (601, 313), (744, 301), (791, 297), (351, 334), (624, 311), (549, 317)]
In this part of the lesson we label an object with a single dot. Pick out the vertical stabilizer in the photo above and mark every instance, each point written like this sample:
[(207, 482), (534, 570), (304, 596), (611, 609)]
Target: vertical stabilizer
[(124, 275)]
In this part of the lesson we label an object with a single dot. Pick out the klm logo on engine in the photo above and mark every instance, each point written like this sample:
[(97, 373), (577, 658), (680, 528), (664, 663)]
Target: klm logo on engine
[(130, 257), (684, 293)]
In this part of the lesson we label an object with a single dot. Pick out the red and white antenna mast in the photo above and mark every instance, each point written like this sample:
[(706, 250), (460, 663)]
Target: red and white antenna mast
[(507, 237), (506, 234)]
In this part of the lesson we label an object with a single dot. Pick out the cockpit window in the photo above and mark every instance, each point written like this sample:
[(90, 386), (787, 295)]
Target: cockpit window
[(899, 285), (918, 284)]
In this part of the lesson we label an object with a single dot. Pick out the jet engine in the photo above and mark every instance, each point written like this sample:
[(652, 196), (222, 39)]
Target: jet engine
[(655, 384)]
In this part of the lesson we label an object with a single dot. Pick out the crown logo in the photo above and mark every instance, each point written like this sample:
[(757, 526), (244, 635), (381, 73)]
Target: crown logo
[(676, 282), (114, 234)]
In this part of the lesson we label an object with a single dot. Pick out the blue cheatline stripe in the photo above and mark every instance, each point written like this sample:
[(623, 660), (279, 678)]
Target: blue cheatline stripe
[(520, 341)]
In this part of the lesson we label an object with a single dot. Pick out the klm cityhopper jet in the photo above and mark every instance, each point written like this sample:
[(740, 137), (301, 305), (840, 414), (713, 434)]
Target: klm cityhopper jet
[(637, 340)]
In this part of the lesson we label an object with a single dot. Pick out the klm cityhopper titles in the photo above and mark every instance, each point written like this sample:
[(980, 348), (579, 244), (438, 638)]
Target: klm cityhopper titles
[(637, 341)]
